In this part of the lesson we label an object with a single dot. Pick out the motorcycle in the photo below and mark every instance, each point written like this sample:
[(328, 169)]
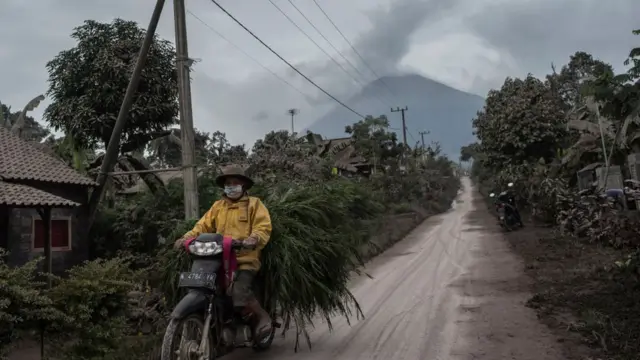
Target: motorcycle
[(506, 208), (220, 328)]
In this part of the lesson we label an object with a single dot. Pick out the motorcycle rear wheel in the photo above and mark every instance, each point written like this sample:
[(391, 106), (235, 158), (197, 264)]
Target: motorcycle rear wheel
[(175, 344)]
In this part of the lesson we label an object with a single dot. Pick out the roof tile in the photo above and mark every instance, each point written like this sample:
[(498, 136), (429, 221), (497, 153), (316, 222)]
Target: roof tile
[(21, 160), (21, 195)]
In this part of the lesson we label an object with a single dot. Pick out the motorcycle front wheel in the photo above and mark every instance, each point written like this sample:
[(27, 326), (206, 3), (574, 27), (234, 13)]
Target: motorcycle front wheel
[(182, 340)]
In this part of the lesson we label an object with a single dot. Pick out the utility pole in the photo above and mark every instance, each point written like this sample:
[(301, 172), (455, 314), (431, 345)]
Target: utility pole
[(293, 113), (404, 132), (422, 134), (111, 152), (183, 63), (404, 125)]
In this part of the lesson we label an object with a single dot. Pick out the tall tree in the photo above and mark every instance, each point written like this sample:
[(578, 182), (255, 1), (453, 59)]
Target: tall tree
[(87, 84), (220, 150), (469, 152), (166, 151), (521, 122), (569, 82), (374, 141)]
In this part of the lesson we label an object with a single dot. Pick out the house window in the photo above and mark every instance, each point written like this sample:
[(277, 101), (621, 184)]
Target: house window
[(60, 234)]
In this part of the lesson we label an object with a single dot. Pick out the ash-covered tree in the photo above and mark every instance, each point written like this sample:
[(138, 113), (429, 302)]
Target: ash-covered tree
[(469, 152), (87, 84), (611, 100), (22, 125), (521, 122), (634, 60), (166, 151), (280, 153), (570, 82), (374, 141), (220, 151)]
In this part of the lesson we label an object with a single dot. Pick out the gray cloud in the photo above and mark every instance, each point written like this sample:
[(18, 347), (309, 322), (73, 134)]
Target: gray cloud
[(260, 116), (469, 44), (390, 39), (537, 33)]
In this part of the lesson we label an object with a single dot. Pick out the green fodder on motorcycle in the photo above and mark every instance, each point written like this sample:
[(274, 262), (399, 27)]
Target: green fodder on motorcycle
[(318, 234)]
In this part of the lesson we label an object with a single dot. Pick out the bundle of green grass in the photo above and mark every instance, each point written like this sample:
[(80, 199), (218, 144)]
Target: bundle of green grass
[(319, 231)]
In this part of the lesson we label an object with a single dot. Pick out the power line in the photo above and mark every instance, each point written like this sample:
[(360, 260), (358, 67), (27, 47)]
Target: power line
[(327, 40), (283, 59), (411, 136), (353, 48), (307, 97), (319, 47)]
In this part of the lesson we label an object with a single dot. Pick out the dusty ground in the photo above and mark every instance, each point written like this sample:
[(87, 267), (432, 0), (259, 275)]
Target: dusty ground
[(579, 296), (450, 290)]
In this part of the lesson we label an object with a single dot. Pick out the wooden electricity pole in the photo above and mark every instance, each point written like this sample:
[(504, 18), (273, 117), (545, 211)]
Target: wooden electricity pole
[(422, 134), (183, 63), (404, 128), (404, 125), (113, 148)]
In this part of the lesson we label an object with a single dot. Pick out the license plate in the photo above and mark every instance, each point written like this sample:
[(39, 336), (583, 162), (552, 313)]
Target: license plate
[(192, 279)]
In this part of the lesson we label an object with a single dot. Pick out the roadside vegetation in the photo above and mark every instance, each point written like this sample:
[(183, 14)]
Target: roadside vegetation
[(325, 201), (583, 251)]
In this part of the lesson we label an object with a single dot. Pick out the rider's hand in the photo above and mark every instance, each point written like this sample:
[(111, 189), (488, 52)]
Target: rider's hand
[(250, 242), (178, 244)]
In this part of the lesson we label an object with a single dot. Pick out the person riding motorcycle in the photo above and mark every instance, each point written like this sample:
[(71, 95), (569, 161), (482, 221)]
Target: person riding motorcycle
[(245, 218), (508, 198)]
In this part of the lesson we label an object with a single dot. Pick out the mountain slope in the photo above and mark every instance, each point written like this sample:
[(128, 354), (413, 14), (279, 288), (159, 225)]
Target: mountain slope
[(435, 107)]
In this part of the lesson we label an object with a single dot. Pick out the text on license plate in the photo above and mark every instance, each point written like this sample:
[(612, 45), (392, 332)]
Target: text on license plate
[(194, 279)]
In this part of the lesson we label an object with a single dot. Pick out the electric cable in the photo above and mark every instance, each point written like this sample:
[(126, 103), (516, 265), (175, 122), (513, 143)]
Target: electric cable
[(321, 49), (353, 48), (283, 59), (307, 97), (330, 43)]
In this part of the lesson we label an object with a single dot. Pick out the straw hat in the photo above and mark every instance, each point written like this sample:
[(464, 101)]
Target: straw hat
[(236, 172)]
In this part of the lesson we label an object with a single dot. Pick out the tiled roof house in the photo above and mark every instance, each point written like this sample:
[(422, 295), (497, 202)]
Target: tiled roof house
[(344, 153), (35, 185)]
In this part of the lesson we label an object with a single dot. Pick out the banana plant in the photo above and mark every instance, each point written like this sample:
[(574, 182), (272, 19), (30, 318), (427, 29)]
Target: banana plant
[(20, 122)]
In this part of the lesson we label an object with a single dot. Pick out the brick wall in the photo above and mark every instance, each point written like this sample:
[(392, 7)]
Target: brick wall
[(21, 238), (21, 228)]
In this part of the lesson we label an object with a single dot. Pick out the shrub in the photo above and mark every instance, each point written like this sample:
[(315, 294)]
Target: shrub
[(23, 306), (95, 299)]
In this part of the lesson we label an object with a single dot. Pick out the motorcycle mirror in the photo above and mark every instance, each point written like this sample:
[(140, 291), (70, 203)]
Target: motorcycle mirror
[(510, 184), (492, 195)]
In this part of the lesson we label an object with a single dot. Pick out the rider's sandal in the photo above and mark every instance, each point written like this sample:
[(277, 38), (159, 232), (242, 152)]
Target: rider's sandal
[(264, 332)]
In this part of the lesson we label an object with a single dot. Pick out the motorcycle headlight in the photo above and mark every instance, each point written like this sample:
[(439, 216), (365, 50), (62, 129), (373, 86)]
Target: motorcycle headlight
[(205, 249)]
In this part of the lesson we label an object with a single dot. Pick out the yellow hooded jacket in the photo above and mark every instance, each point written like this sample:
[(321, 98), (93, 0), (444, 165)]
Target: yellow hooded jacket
[(239, 219)]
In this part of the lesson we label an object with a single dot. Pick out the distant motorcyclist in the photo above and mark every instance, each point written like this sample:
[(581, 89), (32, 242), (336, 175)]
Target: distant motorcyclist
[(508, 198), (242, 217)]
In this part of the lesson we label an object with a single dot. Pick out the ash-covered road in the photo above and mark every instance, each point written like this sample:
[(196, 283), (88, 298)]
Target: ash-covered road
[(450, 290)]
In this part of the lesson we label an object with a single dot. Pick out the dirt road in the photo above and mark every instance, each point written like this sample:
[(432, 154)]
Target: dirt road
[(450, 290)]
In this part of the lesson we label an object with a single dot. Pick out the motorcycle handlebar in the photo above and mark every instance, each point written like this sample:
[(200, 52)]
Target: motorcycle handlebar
[(239, 245)]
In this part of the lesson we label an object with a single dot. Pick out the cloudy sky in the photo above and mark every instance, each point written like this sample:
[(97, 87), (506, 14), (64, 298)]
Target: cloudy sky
[(471, 45)]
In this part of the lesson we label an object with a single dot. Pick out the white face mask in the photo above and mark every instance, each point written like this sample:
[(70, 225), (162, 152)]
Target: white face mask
[(233, 191)]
